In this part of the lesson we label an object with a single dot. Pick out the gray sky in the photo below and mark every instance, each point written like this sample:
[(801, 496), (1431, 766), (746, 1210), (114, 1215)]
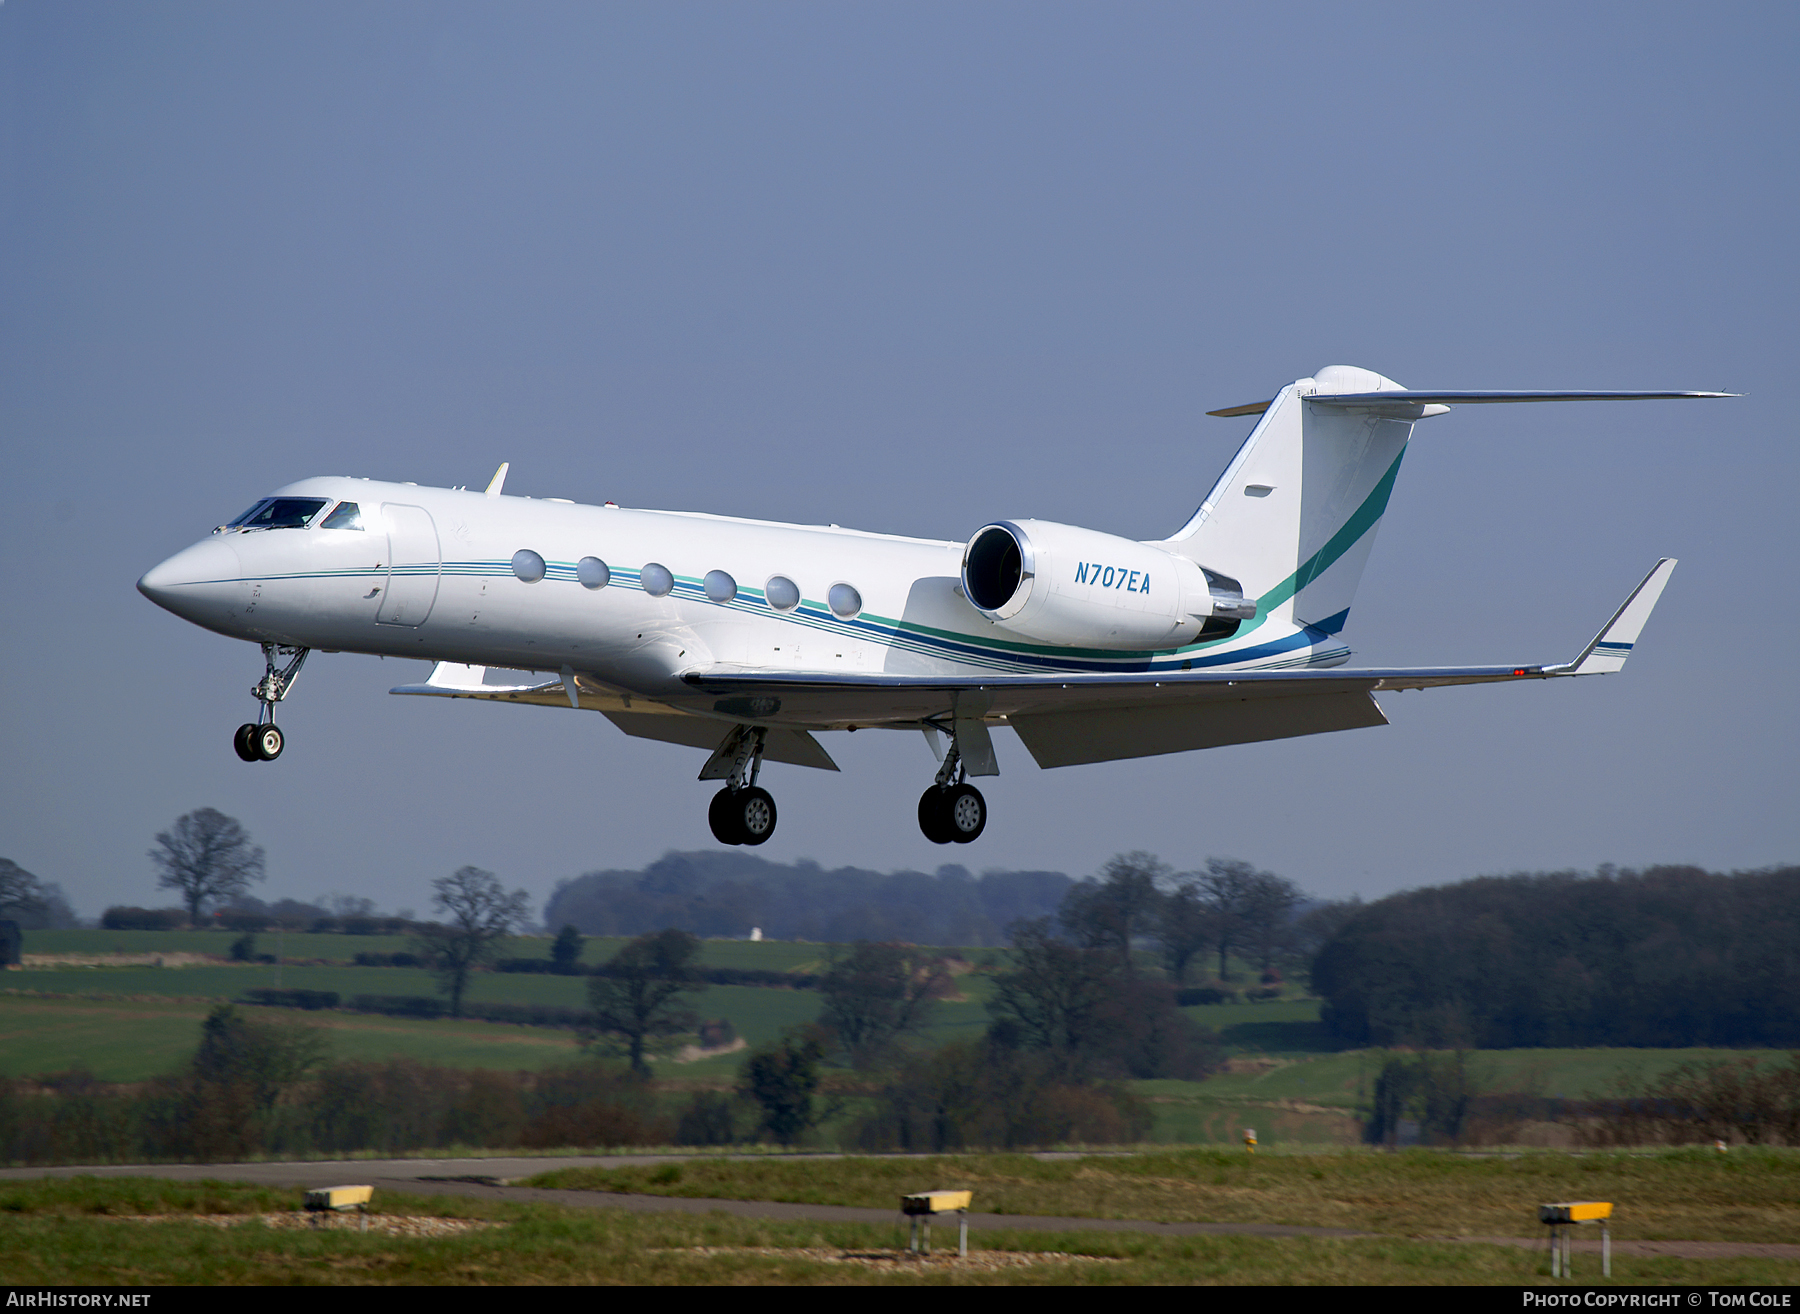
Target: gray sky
[(908, 267)]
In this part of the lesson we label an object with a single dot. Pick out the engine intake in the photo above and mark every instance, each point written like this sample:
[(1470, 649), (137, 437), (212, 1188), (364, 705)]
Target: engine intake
[(1080, 588)]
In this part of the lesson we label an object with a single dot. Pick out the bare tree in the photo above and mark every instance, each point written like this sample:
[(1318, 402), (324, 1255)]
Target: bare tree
[(20, 891), (877, 994), (1184, 928), (208, 857), (1053, 994), (1108, 914), (639, 996), (1225, 889), (1268, 915), (478, 915)]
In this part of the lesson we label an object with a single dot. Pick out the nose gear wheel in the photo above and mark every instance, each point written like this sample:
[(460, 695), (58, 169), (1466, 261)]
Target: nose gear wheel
[(260, 740), (244, 741)]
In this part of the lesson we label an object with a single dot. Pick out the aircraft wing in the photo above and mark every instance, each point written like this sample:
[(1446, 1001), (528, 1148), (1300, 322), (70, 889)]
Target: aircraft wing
[(635, 716), (1070, 719)]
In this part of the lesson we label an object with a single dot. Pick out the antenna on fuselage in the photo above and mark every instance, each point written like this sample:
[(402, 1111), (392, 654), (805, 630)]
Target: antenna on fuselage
[(499, 480)]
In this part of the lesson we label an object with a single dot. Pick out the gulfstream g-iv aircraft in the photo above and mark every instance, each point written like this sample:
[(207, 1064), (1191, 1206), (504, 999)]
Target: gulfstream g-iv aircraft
[(746, 638)]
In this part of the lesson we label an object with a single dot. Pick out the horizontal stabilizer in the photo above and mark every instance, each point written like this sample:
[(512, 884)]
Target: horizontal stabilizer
[(1249, 408), (1422, 397)]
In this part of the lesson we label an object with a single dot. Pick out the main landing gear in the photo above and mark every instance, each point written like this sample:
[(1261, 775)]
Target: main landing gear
[(261, 740), (741, 813), (952, 810)]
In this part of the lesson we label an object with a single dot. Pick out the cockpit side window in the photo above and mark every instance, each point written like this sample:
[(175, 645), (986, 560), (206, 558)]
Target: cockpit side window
[(347, 516), (283, 513)]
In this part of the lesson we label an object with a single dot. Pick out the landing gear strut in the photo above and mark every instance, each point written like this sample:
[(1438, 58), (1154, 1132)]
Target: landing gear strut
[(261, 740), (952, 810), (741, 813)]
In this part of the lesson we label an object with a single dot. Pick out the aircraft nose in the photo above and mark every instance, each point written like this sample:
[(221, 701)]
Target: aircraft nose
[(191, 578)]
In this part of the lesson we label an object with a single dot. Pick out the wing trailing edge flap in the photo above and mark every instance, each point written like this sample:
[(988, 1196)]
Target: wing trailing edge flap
[(454, 680), (1104, 735), (795, 747)]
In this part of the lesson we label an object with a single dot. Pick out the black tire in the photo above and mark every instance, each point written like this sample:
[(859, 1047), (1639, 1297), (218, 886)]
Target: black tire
[(934, 821), (268, 742), (243, 742), (754, 812), (720, 816), (965, 813)]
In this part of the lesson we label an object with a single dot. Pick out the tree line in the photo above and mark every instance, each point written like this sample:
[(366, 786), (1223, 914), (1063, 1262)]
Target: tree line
[(1667, 956), (726, 894)]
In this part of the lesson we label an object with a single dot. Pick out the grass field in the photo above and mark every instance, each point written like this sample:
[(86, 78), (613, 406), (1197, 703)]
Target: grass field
[(1692, 1194), (37, 1038), (1304, 1099), (769, 955), (133, 1039), (146, 1232), (1311, 1100), (1336, 1080)]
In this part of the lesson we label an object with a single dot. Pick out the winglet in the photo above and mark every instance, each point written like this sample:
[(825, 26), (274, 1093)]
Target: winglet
[(1609, 648), (499, 480)]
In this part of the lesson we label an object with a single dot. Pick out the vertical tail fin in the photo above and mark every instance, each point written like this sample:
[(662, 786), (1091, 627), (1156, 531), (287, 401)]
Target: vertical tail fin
[(1293, 517)]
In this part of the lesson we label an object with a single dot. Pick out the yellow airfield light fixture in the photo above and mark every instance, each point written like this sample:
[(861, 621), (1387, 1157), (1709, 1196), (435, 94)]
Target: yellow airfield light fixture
[(922, 1205), (1560, 1217)]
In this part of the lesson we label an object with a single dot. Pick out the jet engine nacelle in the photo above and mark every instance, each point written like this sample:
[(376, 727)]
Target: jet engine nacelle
[(1081, 588)]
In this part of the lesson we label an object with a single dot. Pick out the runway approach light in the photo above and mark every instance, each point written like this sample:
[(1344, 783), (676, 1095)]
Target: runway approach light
[(921, 1205), (341, 1200), (1571, 1213)]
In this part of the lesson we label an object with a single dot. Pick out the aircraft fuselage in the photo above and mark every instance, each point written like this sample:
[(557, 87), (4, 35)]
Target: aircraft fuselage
[(429, 574)]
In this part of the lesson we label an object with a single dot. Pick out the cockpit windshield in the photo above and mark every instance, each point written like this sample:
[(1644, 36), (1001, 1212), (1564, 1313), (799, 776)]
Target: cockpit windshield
[(280, 513), (233, 524)]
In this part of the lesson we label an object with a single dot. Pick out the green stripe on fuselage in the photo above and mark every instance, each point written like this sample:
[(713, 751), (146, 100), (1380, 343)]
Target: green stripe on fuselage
[(1365, 518)]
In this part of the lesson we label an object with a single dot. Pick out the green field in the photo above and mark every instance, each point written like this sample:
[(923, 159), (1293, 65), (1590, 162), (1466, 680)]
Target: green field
[(132, 1039), (293, 944), (160, 1036), (770, 955), (1286, 1078)]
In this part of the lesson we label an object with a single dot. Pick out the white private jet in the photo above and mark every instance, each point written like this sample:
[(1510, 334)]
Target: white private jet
[(745, 637)]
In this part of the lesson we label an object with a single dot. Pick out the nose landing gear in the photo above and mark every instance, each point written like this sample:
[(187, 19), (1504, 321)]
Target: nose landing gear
[(741, 813), (261, 740)]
